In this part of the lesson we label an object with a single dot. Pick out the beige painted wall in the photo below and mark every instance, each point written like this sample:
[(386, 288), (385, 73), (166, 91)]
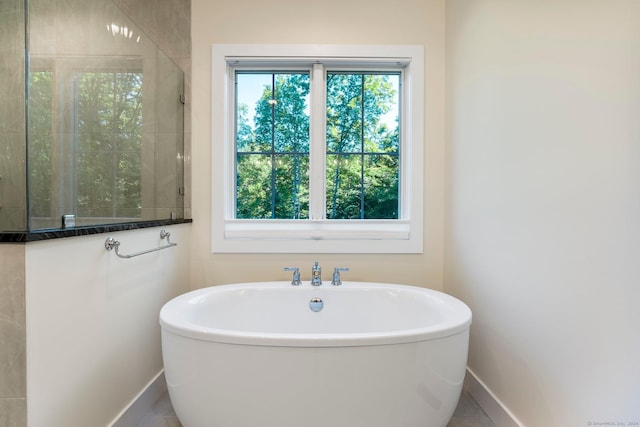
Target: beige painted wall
[(328, 22), (543, 190)]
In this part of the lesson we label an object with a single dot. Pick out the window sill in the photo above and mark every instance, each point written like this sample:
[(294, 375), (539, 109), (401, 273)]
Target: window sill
[(296, 236)]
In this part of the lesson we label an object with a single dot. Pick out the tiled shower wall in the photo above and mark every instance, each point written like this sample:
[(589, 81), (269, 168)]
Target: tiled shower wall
[(75, 28), (168, 24), (77, 33), (12, 117), (13, 397)]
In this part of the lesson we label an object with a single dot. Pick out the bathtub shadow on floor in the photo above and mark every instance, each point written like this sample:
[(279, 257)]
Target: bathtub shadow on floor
[(467, 414)]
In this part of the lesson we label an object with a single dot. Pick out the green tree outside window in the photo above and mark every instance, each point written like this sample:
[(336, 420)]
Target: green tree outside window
[(272, 145)]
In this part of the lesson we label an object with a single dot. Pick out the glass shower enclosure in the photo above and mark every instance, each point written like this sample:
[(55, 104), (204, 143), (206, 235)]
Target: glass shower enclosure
[(94, 130)]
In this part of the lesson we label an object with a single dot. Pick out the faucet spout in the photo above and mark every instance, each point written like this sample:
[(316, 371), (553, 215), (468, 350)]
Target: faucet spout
[(316, 274)]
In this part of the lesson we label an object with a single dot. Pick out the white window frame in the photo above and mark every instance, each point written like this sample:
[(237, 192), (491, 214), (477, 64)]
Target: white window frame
[(317, 235)]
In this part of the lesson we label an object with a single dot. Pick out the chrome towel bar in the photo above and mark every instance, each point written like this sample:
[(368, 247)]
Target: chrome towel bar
[(112, 243)]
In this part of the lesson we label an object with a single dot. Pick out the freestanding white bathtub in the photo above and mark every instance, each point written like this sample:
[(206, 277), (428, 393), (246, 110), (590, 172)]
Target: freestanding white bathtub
[(371, 355)]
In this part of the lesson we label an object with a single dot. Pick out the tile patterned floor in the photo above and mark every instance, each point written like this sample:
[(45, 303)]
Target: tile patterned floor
[(161, 415), (467, 414)]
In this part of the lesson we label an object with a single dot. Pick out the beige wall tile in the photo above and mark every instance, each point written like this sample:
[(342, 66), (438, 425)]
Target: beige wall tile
[(13, 412), (12, 323)]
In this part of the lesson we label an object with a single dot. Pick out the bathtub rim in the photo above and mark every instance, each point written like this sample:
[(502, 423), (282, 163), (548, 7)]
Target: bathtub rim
[(184, 328)]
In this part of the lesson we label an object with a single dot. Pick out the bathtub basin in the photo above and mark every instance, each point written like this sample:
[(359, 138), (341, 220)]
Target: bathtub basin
[(371, 354)]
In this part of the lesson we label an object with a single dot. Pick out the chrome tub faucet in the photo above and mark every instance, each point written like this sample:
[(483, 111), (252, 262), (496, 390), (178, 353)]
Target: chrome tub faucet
[(336, 281), (296, 275), (316, 274)]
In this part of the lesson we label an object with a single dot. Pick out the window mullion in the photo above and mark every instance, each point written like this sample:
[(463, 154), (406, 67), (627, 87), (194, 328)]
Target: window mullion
[(362, 133), (317, 149), (273, 146)]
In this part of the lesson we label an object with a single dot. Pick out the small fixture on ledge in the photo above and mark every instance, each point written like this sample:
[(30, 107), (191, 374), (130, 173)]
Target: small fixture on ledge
[(68, 221)]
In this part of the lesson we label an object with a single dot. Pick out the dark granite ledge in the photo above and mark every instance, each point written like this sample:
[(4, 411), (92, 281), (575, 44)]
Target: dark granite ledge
[(58, 233)]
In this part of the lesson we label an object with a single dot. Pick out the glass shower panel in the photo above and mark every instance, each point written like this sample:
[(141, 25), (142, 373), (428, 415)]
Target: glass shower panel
[(105, 119)]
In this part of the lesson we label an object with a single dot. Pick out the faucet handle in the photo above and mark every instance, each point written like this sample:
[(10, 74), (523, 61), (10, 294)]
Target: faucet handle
[(336, 281), (296, 275)]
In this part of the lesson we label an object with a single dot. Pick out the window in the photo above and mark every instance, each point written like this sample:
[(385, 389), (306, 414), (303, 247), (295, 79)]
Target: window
[(317, 148), (362, 145), (272, 145)]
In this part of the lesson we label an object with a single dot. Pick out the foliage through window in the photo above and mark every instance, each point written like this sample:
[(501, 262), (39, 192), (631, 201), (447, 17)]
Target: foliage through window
[(109, 126), (361, 144), (40, 143), (272, 145), (105, 140), (92, 147)]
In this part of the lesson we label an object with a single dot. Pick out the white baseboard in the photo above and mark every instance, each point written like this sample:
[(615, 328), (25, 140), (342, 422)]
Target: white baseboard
[(490, 404), (142, 403)]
